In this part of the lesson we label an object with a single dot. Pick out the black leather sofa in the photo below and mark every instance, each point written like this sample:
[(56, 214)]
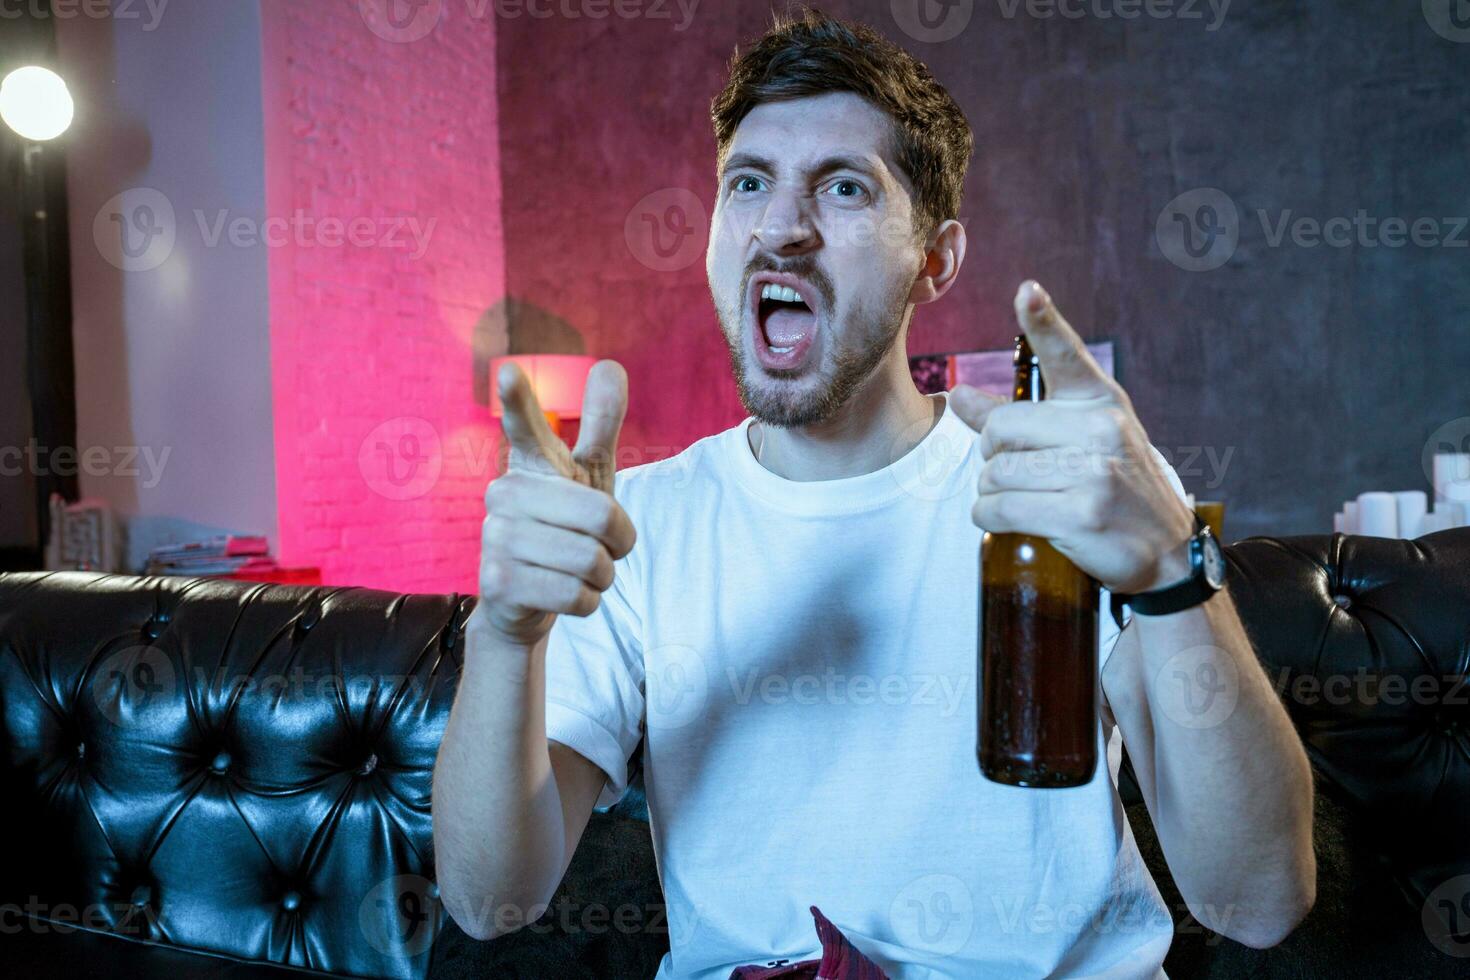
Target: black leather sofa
[(204, 778)]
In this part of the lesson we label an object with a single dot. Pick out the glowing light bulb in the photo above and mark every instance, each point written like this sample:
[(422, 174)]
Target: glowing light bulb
[(34, 102)]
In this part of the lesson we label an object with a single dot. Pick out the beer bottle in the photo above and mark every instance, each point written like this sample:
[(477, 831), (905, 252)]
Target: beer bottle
[(1037, 650)]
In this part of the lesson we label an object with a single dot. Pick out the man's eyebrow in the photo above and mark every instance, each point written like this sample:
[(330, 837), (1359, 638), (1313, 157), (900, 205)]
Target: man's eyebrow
[(827, 165)]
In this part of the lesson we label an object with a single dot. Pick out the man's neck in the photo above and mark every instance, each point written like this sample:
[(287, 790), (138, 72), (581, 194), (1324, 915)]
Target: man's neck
[(880, 423)]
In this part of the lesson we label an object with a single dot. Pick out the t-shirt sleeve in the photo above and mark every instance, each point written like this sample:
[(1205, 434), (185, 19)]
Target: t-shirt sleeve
[(1108, 631), (594, 683)]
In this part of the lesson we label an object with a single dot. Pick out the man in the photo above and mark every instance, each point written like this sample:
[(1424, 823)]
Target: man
[(795, 630)]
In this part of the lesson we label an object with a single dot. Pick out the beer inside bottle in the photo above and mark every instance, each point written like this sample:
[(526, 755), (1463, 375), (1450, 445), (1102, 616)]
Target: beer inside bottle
[(1038, 650)]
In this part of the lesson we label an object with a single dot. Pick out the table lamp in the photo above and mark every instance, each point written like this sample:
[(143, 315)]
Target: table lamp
[(557, 380)]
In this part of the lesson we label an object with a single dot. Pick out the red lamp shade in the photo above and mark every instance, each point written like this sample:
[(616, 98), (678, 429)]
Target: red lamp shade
[(557, 379)]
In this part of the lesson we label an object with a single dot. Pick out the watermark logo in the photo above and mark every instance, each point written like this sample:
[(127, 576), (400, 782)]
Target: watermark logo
[(401, 459), (121, 10), (1120, 9), (1446, 916), (1199, 229), (401, 21), (934, 913), (132, 682), (136, 230), (937, 457), (932, 21), (1450, 19), (1200, 687), (1452, 482), (400, 914), (667, 230), (677, 686)]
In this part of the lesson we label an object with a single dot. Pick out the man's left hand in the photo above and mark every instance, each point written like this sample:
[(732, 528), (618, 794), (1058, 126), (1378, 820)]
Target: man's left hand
[(1076, 468)]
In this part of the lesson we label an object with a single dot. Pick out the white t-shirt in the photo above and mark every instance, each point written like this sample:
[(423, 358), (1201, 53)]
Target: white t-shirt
[(803, 657)]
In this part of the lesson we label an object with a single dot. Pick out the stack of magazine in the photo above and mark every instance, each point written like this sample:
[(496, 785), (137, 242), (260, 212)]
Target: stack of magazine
[(222, 554)]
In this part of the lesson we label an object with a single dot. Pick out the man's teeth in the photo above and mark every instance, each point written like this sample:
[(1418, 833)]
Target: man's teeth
[(782, 350), (783, 293)]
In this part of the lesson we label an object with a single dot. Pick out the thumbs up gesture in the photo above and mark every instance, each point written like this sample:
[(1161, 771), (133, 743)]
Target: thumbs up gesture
[(1076, 468), (552, 528)]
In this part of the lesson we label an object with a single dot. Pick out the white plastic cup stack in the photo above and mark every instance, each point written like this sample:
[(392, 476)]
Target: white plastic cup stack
[(1412, 506), (1378, 514), (1452, 478)]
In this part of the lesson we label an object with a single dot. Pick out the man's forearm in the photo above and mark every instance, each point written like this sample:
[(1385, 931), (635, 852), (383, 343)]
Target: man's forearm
[(498, 835), (1224, 773)]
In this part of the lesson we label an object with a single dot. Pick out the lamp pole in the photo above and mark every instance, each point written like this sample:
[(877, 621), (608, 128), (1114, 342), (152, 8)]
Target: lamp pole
[(49, 351)]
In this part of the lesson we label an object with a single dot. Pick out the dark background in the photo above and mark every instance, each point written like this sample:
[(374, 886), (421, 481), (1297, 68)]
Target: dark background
[(1319, 371)]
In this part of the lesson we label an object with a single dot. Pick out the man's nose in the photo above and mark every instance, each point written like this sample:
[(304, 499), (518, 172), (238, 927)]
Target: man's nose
[(786, 225)]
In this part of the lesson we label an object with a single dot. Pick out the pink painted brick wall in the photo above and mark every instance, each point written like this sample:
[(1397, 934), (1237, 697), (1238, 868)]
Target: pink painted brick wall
[(382, 453)]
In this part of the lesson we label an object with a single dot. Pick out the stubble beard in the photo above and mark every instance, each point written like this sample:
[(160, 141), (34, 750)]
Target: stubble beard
[(771, 400)]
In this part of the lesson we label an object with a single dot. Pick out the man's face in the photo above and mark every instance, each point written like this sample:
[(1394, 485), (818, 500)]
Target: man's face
[(811, 200)]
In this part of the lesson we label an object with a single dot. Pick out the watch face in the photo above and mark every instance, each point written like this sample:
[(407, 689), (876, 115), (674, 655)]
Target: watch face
[(1214, 562)]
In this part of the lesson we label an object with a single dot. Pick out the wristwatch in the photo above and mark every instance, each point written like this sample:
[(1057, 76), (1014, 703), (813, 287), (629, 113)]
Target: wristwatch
[(1206, 577)]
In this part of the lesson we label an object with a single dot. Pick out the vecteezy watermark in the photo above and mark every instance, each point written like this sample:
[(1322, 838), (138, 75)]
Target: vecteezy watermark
[(1364, 688), (39, 460), (934, 913), (1185, 10), (406, 233), (667, 229), (137, 230), (63, 918), (401, 459), (405, 21), (142, 679), (932, 21), (679, 684), (1446, 916), (1200, 229), (1452, 439), (1198, 687), (1019, 915), (833, 687), (568, 917), (1363, 230), (404, 457), (1450, 19), (133, 683), (400, 914), (676, 686), (124, 10)]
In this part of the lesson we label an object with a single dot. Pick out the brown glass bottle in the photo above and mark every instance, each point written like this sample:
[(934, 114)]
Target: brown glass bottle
[(1037, 650)]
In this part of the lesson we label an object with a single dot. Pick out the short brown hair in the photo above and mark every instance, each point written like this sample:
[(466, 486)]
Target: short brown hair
[(815, 54)]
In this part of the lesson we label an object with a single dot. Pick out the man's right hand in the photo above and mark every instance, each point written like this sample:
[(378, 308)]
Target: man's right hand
[(552, 528)]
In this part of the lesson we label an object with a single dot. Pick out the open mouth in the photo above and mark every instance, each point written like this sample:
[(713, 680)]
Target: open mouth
[(785, 320)]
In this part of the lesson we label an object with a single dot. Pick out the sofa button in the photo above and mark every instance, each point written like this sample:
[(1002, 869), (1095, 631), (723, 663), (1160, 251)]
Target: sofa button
[(432, 891), (81, 750), (141, 896), (1343, 601), (221, 762), (309, 618), (291, 901), (369, 765)]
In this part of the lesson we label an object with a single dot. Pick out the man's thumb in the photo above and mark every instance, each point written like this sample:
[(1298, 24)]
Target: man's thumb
[(972, 405), (604, 405)]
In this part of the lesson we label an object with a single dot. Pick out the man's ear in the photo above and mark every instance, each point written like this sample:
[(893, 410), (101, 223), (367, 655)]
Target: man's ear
[(942, 260)]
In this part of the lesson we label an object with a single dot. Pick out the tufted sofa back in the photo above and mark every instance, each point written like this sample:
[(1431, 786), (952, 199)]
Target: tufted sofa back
[(245, 769), (1368, 643), (225, 766)]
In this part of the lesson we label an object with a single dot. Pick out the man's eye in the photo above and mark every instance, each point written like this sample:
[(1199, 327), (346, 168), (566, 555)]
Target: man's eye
[(847, 188), (746, 184)]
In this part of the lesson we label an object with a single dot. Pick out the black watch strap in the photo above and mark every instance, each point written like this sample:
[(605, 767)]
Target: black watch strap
[(1192, 591)]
